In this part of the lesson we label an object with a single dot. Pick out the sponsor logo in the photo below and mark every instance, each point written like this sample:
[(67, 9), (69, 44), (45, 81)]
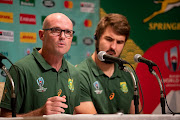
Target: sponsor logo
[(97, 86), (68, 4), (6, 36), (27, 37), (27, 19), (87, 23), (88, 54), (70, 84), (172, 58), (6, 1), (123, 87), (40, 82), (27, 51), (87, 7), (88, 41), (166, 5), (111, 96), (164, 26), (27, 2), (6, 17), (48, 3)]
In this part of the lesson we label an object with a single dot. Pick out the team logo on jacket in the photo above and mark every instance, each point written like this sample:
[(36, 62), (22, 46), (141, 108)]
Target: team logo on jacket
[(59, 92), (111, 96), (97, 86), (70, 84), (40, 82), (123, 87)]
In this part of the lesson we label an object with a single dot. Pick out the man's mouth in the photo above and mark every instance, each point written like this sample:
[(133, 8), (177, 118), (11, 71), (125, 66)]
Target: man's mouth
[(61, 43), (111, 52)]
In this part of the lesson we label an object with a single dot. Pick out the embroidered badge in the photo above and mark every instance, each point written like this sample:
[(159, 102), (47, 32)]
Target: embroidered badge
[(123, 87), (70, 84), (111, 96), (40, 82), (97, 86), (59, 92)]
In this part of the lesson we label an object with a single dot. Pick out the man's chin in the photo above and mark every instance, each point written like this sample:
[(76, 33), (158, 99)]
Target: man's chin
[(108, 62)]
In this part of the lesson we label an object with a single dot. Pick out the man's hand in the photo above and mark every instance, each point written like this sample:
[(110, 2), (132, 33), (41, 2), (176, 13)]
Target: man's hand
[(54, 105)]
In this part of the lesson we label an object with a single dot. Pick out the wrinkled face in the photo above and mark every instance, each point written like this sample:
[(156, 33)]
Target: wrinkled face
[(57, 45), (111, 43)]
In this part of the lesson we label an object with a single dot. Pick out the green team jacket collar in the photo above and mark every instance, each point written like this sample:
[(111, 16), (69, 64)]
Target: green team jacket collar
[(44, 64)]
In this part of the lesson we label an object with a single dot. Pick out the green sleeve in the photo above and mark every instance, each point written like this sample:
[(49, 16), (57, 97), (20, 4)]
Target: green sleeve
[(6, 98), (85, 86)]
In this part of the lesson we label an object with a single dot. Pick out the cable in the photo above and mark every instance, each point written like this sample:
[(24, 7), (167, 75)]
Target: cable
[(165, 93)]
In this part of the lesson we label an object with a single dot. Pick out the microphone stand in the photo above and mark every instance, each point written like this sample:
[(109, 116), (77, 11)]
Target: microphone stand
[(136, 97), (162, 100), (13, 95)]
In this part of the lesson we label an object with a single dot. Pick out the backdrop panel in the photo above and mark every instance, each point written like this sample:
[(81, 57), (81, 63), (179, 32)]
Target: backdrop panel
[(155, 34), (20, 21)]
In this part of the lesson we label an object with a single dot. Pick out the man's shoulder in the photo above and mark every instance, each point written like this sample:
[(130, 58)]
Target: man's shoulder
[(83, 65), (70, 66), (27, 60)]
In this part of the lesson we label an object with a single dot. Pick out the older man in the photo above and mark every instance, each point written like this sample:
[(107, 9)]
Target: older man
[(48, 83)]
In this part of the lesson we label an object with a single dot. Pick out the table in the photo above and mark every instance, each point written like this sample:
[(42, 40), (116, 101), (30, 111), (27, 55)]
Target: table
[(100, 117)]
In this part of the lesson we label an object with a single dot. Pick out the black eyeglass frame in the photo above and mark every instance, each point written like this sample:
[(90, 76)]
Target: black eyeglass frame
[(61, 31)]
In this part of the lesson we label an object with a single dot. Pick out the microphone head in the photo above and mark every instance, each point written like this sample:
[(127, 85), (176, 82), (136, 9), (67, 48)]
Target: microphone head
[(100, 55), (136, 57)]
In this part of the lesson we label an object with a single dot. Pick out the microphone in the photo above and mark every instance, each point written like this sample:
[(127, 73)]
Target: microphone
[(13, 94), (139, 58), (103, 56)]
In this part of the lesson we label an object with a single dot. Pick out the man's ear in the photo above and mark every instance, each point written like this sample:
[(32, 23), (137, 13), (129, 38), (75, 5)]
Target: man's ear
[(95, 36), (41, 34)]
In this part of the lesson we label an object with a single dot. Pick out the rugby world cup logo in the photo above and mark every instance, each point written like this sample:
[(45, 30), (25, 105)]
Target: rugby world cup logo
[(97, 87), (40, 82), (172, 58)]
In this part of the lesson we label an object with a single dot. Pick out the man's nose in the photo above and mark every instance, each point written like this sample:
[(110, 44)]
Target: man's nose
[(62, 34), (114, 45)]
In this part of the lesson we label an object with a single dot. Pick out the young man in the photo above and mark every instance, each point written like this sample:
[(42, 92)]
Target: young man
[(48, 83), (105, 89)]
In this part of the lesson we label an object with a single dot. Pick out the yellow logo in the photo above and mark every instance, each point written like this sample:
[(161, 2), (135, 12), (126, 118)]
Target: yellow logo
[(166, 5), (70, 84), (28, 37), (6, 17), (123, 87)]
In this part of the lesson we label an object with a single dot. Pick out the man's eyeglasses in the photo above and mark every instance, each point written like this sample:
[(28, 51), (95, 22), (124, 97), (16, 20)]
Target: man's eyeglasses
[(58, 31)]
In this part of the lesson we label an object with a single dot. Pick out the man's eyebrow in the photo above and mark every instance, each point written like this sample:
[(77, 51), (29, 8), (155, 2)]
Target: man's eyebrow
[(108, 37)]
